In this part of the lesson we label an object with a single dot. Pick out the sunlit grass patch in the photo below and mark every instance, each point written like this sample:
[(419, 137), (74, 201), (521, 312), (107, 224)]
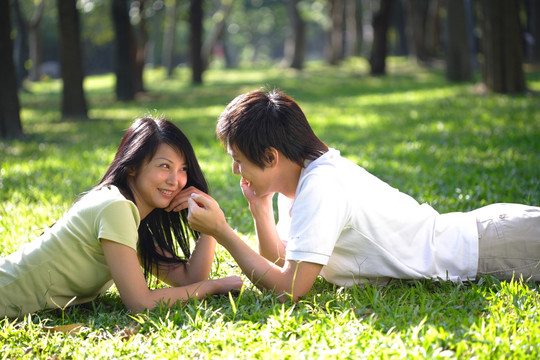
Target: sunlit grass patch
[(443, 143)]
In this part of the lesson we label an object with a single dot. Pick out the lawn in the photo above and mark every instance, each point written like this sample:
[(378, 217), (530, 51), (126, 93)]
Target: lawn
[(447, 144)]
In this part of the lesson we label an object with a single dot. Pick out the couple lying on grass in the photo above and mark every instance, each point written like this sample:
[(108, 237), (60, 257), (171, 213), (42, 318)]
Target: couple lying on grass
[(335, 220)]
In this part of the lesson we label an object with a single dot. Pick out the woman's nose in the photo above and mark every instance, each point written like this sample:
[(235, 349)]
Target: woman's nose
[(172, 179)]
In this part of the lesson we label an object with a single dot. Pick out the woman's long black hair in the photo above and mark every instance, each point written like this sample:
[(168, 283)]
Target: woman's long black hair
[(159, 230)]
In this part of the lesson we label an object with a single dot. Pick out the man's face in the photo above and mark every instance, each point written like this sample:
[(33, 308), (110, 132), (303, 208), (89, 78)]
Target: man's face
[(259, 180)]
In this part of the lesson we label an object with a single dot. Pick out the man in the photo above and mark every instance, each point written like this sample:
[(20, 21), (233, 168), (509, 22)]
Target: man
[(341, 222)]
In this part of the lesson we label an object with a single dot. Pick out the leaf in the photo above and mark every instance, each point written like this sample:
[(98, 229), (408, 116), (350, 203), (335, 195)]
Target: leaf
[(71, 329), (129, 331)]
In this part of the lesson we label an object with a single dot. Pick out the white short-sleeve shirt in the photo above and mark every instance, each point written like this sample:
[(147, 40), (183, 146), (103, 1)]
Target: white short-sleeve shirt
[(361, 229)]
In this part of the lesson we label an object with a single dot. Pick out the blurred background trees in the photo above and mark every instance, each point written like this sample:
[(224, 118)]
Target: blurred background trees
[(487, 39)]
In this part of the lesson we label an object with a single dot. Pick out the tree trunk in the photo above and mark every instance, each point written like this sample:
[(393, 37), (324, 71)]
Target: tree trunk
[(351, 28), (398, 21), (123, 60), (34, 41), (20, 53), (10, 121), (295, 43), (533, 30), (217, 32), (140, 40), (458, 51), (73, 100), (169, 37), (195, 40), (381, 22), (502, 46), (335, 48)]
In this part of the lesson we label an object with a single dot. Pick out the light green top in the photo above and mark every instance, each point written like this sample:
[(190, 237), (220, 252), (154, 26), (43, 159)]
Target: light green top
[(67, 260)]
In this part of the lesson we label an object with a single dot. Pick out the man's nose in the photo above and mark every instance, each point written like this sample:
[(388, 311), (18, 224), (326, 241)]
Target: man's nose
[(235, 168)]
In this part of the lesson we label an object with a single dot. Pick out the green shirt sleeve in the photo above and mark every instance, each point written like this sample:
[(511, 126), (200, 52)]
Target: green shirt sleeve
[(119, 222)]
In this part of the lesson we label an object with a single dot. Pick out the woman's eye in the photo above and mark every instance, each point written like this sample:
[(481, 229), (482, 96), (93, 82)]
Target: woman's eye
[(166, 166)]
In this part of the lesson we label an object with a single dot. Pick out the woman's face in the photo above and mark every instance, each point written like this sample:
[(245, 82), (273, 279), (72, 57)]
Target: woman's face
[(157, 181)]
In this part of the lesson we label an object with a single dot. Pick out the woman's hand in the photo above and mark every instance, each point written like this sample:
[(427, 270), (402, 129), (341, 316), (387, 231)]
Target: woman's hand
[(127, 274), (227, 284), (179, 202)]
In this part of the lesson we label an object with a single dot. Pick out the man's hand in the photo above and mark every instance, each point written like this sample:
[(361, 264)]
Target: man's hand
[(205, 215), (256, 203)]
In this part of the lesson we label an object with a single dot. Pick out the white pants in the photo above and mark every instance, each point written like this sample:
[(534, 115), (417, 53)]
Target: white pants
[(509, 241)]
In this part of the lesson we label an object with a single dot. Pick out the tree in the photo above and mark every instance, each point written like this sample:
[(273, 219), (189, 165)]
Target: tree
[(195, 40), (140, 40), (335, 44), (353, 22), (533, 30), (295, 43), (10, 121), (123, 60), (422, 28), (458, 49), (169, 36), (30, 28), (21, 45), (73, 100), (502, 46), (381, 22), (216, 34)]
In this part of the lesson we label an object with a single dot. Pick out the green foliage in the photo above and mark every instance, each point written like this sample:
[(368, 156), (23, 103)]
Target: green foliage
[(443, 143)]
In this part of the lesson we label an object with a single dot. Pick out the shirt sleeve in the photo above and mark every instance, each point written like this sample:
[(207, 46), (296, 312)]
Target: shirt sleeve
[(319, 215), (119, 222)]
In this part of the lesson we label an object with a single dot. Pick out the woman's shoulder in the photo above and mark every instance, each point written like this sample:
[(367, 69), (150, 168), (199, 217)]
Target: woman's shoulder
[(100, 198)]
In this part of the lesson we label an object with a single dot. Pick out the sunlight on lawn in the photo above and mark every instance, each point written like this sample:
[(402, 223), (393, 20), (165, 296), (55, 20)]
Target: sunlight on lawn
[(443, 143)]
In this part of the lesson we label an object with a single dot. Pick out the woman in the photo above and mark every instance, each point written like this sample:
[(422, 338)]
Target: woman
[(117, 227)]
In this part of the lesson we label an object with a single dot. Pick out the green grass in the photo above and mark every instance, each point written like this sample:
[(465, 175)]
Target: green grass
[(443, 143)]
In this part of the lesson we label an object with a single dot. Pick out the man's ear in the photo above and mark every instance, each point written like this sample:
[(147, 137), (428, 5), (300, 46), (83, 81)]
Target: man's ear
[(131, 171), (272, 156)]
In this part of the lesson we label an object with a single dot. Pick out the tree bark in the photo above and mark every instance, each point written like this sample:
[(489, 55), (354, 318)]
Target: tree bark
[(533, 30), (169, 37), (73, 100), (123, 60), (381, 22), (502, 46), (458, 51), (335, 46), (195, 40), (10, 121), (140, 40), (20, 52), (216, 34), (351, 27), (295, 42)]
